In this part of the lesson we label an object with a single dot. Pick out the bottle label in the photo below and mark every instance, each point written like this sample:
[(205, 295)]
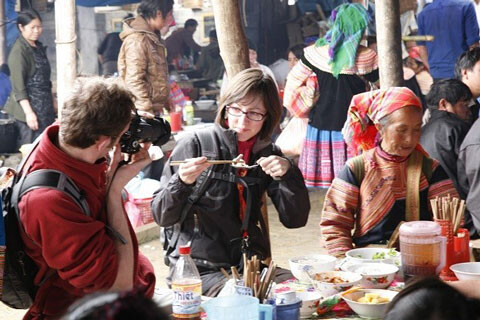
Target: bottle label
[(186, 299)]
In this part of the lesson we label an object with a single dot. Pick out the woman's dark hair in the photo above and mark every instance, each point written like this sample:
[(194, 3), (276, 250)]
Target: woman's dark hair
[(250, 84), (27, 16), (148, 8), (115, 306), (432, 299), (452, 90), (467, 61), (297, 50)]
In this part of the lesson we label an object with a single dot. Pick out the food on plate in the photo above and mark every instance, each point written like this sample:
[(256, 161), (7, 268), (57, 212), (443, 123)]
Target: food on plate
[(373, 298), (326, 278)]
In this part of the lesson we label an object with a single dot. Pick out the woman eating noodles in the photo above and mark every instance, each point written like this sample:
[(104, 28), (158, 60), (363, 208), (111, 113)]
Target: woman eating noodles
[(226, 220)]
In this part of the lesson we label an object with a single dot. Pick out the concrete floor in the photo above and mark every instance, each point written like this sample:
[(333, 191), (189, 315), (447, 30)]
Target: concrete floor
[(286, 243)]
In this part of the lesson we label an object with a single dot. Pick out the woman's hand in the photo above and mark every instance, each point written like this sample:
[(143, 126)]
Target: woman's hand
[(274, 166), (31, 117), (32, 121), (191, 170)]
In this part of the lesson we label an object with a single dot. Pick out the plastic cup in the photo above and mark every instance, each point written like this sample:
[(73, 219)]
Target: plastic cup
[(176, 121)]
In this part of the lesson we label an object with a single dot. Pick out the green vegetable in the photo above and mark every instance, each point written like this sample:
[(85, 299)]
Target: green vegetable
[(378, 255), (392, 252)]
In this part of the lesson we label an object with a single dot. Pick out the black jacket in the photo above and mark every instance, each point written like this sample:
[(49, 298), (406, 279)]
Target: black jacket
[(213, 223), (469, 178), (441, 138)]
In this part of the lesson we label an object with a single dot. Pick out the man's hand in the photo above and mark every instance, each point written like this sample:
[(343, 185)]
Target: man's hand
[(128, 171), (192, 169), (274, 166)]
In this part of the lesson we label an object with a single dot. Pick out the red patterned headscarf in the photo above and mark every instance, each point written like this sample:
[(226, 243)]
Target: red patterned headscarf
[(366, 109)]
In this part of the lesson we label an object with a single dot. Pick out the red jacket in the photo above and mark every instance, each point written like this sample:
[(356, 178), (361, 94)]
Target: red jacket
[(59, 236)]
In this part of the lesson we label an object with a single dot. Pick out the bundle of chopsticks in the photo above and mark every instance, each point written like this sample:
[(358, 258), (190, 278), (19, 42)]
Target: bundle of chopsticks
[(259, 282), (449, 208)]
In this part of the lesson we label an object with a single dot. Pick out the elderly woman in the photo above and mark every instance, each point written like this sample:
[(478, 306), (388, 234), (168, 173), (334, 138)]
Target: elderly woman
[(225, 220), (392, 181)]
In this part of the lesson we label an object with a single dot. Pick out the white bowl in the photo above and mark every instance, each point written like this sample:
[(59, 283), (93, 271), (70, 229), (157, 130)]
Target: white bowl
[(466, 270), (374, 275), (372, 254), (366, 310), (310, 302), (205, 104), (312, 263), (323, 281)]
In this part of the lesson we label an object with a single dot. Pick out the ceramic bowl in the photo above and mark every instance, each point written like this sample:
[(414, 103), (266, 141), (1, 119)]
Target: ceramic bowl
[(205, 104), (312, 263), (372, 254), (375, 275), (332, 282), (467, 270), (310, 302), (367, 310)]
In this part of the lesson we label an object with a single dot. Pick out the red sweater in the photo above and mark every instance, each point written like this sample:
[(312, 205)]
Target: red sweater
[(60, 236)]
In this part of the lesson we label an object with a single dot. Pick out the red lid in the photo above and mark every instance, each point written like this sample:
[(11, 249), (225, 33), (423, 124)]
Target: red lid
[(184, 250)]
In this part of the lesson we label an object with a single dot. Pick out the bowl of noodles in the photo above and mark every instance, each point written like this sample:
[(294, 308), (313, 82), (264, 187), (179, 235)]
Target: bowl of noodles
[(329, 283)]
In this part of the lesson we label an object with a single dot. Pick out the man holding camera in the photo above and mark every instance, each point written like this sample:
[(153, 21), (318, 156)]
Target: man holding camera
[(76, 253)]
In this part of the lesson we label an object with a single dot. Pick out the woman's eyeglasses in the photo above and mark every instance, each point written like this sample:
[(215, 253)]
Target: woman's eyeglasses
[(251, 115)]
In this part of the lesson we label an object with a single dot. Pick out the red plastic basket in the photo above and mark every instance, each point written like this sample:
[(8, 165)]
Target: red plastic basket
[(139, 210)]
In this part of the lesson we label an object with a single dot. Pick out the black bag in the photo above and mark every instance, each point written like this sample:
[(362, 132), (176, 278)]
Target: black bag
[(169, 236), (18, 288), (8, 136)]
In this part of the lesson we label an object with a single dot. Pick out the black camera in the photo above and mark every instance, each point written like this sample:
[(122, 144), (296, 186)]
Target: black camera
[(156, 130)]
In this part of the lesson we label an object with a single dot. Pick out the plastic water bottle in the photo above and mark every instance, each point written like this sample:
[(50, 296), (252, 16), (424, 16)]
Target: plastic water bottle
[(186, 286), (189, 113)]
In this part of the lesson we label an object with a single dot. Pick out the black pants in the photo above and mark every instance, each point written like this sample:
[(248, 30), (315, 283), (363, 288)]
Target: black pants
[(25, 134)]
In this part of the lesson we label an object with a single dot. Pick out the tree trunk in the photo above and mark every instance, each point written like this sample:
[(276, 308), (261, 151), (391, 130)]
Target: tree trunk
[(231, 37), (387, 13), (66, 45), (3, 31)]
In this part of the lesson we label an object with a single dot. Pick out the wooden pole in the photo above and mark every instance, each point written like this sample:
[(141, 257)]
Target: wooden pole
[(231, 37), (66, 47), (3, 33), (387, 14)]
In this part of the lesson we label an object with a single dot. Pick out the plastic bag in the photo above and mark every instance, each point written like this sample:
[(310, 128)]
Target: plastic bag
[(292, 137)]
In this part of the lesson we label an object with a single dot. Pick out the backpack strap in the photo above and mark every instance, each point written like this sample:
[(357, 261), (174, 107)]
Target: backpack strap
[(52, 179), (358, 168), (427, 168), (205, 140)]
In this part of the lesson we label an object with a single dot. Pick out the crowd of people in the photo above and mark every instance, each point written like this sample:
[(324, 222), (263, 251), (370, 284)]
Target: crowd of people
[(382, 153)]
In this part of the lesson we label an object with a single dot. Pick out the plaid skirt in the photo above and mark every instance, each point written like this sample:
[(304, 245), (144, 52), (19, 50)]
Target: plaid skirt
[(324, 154)]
